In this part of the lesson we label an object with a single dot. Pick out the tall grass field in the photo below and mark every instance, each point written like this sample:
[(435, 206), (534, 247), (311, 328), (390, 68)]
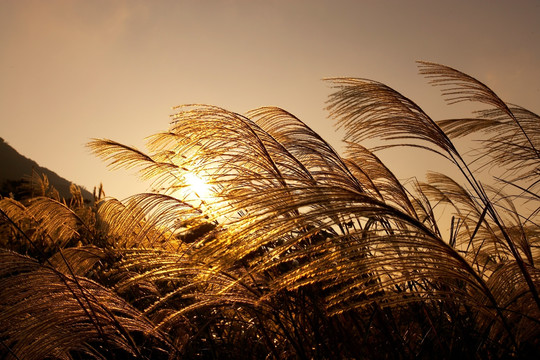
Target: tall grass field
[(259, 240)]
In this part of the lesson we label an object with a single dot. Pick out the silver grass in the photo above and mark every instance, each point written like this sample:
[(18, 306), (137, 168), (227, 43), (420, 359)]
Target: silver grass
[(291, 206), (297, 252), (514, 140), (84, 312)]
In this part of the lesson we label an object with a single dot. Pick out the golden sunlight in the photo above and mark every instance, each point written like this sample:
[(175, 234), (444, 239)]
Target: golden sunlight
[(197, 186)]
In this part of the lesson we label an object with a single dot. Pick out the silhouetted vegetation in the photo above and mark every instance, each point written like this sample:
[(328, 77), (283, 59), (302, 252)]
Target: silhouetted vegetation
[(19, 174), (295, 251)]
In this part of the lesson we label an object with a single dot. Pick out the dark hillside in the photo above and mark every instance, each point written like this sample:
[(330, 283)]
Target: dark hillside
[(15, 167)]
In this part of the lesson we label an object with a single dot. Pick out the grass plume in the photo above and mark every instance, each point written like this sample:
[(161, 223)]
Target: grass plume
[(299, 251)]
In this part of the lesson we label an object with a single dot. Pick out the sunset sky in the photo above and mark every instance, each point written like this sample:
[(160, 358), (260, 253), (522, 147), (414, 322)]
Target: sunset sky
[(75, 70)]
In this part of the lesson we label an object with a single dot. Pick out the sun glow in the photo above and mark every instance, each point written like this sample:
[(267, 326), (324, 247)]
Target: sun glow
[(197, 186)]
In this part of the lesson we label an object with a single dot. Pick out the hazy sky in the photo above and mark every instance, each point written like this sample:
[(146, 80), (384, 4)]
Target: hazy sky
[(75, 70)]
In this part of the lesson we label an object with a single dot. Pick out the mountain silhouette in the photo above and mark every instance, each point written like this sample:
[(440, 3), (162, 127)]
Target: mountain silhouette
[(16, 168)]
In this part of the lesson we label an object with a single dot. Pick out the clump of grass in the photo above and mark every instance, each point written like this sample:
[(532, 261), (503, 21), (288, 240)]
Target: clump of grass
[(295, 251)]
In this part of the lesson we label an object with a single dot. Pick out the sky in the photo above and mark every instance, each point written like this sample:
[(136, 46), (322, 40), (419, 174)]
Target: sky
[(73, 70)]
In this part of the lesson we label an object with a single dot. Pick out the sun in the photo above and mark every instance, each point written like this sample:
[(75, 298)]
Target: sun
[(197, 186)]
